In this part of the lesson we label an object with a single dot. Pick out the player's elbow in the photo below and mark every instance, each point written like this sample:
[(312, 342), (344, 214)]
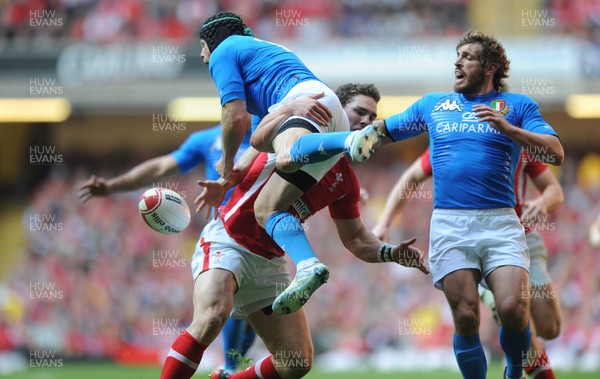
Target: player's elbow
[(558, 153)]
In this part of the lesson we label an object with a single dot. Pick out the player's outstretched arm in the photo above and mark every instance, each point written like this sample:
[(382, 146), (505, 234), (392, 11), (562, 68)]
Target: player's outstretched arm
[(306, 106), (361, 242), (551, 196), (398, 198), (141, 175), (234, 121)]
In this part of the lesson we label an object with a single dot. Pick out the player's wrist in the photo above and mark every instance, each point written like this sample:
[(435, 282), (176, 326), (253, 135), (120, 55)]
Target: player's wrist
[(385, 253)]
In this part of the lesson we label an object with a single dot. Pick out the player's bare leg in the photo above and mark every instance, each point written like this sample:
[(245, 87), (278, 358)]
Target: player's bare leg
[(545, 311), (510, 286), (460, 288), (546, 320), (282, 145), (277, 195), (270, 209), (213, 300), (288, 340)]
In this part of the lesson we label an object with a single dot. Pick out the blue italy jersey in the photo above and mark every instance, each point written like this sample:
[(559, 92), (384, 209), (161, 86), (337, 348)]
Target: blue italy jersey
[(204, 146), (473, 164), (257, 71)]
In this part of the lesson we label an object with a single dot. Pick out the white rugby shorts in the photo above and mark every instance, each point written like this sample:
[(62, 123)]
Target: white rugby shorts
[(338, 123), (259, 280), (475, 239), (538, 255)]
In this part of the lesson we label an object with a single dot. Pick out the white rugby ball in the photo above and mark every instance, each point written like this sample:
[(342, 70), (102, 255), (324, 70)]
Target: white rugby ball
[(164, 210)]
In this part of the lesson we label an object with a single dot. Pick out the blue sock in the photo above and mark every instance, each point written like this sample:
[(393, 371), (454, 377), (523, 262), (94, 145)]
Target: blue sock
[(288, 232), (515, 346), (237, 336), (318, 147), (470, 356)]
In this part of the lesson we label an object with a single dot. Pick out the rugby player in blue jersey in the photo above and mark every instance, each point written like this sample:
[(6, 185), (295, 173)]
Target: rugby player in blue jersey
[(260, 77), (476, 136), (203, 146)]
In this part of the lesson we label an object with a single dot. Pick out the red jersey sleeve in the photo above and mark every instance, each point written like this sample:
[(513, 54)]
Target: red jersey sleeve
[(426, 163), (533, 168), (347, 207)]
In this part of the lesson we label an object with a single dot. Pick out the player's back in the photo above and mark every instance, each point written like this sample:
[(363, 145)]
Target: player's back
[(262, 70)]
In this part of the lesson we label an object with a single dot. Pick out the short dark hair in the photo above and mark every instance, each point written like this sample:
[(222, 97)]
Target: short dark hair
[(492, 54), (346, 92), (220, 26)]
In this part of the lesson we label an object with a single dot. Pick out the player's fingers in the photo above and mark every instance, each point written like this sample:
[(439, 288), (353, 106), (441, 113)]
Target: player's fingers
[(317, 95), (324, 111), (409, 242)]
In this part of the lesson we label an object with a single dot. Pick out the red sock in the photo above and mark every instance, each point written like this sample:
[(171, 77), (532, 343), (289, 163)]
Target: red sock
[(184, 358), (263, 369), (540, 368)]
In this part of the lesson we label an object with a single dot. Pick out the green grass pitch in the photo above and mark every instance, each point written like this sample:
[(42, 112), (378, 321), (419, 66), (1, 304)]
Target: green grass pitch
[(105, 370)]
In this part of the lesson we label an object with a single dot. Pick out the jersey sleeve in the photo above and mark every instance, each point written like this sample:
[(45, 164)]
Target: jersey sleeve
[(533, 167), (409, 123), (348, 206), (532, 120), (225, 71), (426, 163), (191, 152)]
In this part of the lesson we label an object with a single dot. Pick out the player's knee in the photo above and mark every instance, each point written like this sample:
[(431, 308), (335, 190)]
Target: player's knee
[(513, 311), (214, 317), (261, 214), (549, 329), (466, 319), (286, 163)]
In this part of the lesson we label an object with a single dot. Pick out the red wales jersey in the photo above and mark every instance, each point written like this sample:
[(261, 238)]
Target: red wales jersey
[(338, 190)]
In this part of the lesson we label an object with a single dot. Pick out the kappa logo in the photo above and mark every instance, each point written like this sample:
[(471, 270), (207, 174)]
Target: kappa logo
[(448, 106)]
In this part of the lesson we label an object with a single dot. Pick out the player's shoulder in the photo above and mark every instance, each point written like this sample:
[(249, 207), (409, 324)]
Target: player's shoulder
[(518, 98), (432, 99)]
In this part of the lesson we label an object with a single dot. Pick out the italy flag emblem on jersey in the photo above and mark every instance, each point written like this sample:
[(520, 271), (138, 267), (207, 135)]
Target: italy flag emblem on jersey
[(498, 105)]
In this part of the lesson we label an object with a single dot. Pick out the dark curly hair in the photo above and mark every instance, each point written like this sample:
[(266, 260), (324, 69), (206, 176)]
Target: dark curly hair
[(492, 54), (347, 92), (220, 26)]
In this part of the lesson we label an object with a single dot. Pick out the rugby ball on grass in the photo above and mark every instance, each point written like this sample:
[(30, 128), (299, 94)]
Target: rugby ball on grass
[(164, 210)]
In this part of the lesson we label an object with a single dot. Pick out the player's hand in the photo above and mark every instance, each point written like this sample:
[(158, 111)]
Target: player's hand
[(534, 211), (211, 197), (382, 232), (311, 108), (408, 256), (94, 186), (225, 167), (493, 117)]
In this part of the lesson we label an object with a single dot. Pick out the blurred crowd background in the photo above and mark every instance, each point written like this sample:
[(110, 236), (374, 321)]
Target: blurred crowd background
[(92, 280), (117, 20)]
